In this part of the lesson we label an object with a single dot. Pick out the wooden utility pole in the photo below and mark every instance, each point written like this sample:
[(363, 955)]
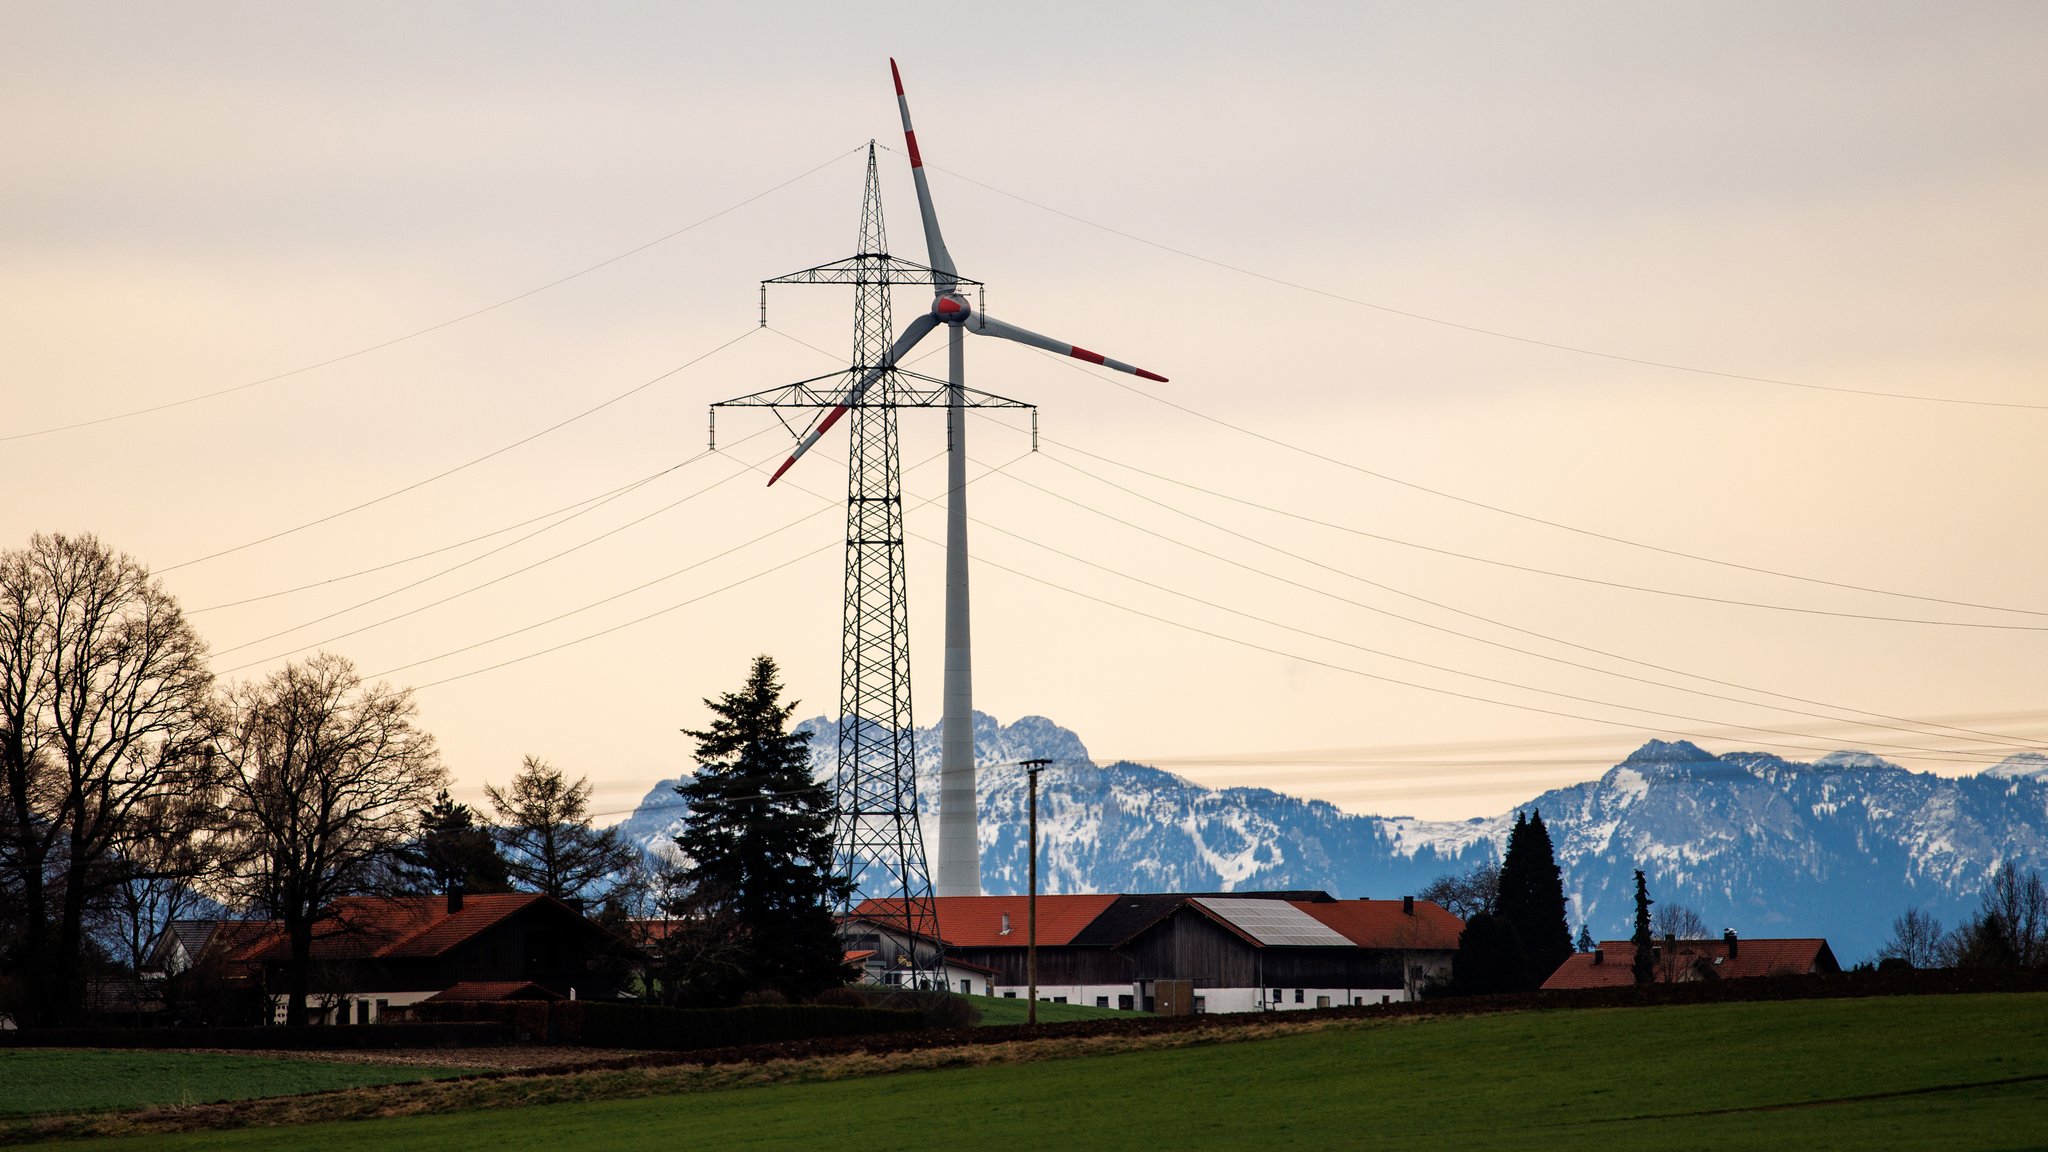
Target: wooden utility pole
[(1031, 769)]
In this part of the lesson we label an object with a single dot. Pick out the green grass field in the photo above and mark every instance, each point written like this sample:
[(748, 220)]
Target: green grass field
[(44, 1081), (1948, 1072), (996, 1010)]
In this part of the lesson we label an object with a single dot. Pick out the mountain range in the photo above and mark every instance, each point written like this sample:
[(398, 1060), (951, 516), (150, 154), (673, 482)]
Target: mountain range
[(1750, 841)]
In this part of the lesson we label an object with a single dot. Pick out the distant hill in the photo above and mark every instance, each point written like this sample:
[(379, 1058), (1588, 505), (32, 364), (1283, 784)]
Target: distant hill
[(1751, 841)]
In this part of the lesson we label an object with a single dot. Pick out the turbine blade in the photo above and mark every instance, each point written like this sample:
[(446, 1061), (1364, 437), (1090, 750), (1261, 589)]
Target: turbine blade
[(934, 244), (987, 325), (916, 330)]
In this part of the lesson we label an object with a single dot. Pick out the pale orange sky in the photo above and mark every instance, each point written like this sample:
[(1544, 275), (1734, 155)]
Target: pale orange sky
[(1840, 195)]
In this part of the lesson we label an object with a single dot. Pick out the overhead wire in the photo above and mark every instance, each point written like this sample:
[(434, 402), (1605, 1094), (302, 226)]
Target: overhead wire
[(665, 237), (1896, 723), (1066, 362), (829, 505), (1474, 328), (1918, 751), (467, 464), (549, 559)]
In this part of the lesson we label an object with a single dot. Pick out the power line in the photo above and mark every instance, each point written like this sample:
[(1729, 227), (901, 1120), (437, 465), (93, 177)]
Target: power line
[(1595, 580), (1922, 730), (433, 327), (829, 505), (1331, 665), (1362, 470), (1477, 330), (475, 587), (1444, 668), (555, 427)]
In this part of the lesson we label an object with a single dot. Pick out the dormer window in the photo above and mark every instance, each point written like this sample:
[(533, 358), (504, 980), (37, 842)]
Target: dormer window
[(1006, 925)]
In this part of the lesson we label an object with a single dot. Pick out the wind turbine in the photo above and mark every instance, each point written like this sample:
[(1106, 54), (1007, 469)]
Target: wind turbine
[(959, 856)]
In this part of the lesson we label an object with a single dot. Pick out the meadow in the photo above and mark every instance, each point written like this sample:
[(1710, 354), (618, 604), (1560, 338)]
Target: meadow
[(54, 1081), (1950, 1072)]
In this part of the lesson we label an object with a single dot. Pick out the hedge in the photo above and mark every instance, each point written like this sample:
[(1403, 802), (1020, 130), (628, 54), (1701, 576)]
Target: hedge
[(600, 1025), (323, 1038)]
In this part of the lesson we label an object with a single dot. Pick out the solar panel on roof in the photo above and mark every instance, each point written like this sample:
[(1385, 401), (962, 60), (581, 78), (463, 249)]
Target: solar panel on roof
[(1274, 923)]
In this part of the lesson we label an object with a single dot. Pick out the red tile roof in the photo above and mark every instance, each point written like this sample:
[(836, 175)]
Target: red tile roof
[(1682, 960), (493, 990), (977, 921), (397, 927), (1383, 924)]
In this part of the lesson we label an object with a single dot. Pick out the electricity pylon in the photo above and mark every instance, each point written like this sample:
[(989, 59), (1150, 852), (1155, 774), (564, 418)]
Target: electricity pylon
[(876, 840)]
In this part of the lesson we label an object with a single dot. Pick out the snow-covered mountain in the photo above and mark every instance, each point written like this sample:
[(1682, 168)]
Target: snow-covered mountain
[(1748, 840)]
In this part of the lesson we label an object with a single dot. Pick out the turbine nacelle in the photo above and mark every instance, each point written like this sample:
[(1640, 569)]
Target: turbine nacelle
[(951, 308)]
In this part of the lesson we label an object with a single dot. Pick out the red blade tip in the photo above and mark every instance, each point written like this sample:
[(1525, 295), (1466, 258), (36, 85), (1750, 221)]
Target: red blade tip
[(895, 75), (780, 471), (1144, 375)]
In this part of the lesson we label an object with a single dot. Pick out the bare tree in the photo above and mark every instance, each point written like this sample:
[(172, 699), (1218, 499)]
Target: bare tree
[(326, 776), (158, 874), (105, 706), (1916, 939), (1678, 922), (550, 846), (2017, 902), (1466, 894)]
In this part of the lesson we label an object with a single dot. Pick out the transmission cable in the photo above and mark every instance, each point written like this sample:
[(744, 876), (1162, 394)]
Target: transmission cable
[(443, 324), (1473, 328), (1569, 527), (1924, 727), (828, 506), (1926, 753), (555, 427), (1359, 672), (475, 587)]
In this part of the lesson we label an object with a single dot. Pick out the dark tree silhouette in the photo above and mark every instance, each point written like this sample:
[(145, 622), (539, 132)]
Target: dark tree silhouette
[(452, 853), (1465, 894), (1645, 965), (1532, 899), (106, 708), (758, 844), (1489, 958), (550, 846)]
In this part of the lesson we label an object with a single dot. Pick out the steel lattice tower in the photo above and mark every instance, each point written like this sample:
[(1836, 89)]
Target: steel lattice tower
[(877, 841)]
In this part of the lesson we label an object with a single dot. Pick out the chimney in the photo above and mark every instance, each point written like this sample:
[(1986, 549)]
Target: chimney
[(454, 899), (1599, 955), (1408, 905), (1728, 938)]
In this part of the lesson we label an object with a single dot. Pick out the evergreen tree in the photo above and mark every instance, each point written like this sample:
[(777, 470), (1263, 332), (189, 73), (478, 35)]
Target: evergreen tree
[(452, 852), (1532, 899), (1585, 942), (759, 842), (550, 844), (1645, 966), (1489, 958)]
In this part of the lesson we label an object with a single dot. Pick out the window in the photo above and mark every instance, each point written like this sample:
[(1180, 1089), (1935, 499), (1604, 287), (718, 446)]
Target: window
[(1102, 1001), (362, 1011), (967, 987), (1124, 1002), (1276, 996), (1059, 999), (1358, 1001), (1298, 994), (1322, 1001), (1201, 1003), (1009, 995)]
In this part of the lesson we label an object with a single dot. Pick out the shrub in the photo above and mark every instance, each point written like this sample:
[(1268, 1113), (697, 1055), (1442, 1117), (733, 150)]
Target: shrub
[(601, 1025), (325, 1038)]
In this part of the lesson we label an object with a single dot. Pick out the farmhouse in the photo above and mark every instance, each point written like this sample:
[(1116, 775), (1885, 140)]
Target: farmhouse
[(1177, 953), (1677, 961), (377, 954)]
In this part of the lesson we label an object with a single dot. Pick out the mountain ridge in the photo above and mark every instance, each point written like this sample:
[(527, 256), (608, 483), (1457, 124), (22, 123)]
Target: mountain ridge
[(1749, 840)]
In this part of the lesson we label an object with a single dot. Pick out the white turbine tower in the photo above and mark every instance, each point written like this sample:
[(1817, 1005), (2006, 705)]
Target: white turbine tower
[(959, 855)]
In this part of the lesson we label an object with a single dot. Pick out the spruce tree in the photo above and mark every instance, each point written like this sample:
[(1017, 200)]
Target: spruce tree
[(1645, 967), (1532, 899), (758, 840), (452, 853)]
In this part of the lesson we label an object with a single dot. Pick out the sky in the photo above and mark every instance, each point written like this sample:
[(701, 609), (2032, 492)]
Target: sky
[(1541, 381)]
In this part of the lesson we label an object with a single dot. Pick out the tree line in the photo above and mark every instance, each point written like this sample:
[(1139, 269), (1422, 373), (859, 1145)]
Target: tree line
[(135, 789)]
